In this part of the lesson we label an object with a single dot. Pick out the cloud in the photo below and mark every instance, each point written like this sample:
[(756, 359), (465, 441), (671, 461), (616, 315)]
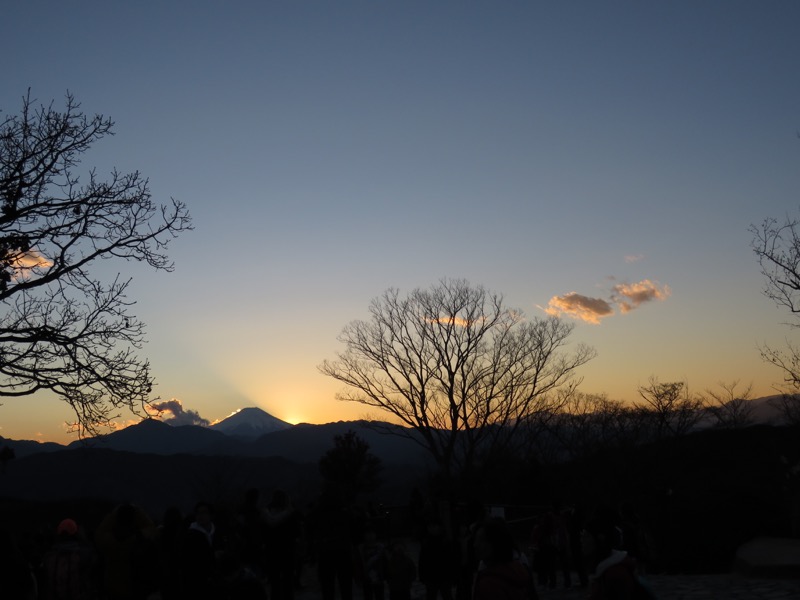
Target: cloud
[(30, 259), (632, 258), (580, 307), (23, 264), (177, 414), (632, 295), (457, 321), (627, 296)]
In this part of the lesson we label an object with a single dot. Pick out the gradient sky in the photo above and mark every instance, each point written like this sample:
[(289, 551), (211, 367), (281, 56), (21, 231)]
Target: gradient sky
[(564, 154)]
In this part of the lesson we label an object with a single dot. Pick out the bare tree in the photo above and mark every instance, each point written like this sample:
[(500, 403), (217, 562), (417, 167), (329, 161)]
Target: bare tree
[(777, 246), (628, 426), (730, 408), (456, 366), (578, 425), (788, 407), (587, 423), (62, 329), (671, 408)]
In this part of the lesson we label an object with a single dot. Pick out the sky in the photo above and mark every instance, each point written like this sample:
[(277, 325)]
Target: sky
[(598, 160)]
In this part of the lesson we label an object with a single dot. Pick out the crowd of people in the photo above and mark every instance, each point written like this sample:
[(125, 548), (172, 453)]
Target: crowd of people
[(260, 550)]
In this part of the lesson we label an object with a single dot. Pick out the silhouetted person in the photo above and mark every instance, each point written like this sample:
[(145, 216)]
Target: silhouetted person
[(606, 534), (576, 524), (634, 535), (551, 540), (202, 547), (615, 572), (169, 542), (68, 568), (16, 574), (400, 572), (372, 554), (615, 578), (246, 586), (283, 531), (125, 539), (252, 529), (332, 532), (416, 511), (501, 573), (437, 558), (467, 563)]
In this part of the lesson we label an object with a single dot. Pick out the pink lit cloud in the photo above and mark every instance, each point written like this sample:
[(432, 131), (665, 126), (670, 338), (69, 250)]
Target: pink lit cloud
[(632, 295), (626, 296), (584, 308)]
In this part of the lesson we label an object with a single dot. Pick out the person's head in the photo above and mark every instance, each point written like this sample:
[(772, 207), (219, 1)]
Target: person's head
[(67, 528), (280, 500), (125, 522), (370, 535), (172, 519), (435, 528), (399, 548), (203, 514), (494, 543)]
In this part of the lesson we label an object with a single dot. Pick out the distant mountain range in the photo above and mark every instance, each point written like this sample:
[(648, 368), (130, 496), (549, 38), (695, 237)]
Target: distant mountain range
[(250, 432), (157, 465), (253, 432)]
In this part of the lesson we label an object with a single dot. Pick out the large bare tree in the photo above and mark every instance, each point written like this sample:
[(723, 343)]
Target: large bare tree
[(63, 329), (777, 246), (456, 367)]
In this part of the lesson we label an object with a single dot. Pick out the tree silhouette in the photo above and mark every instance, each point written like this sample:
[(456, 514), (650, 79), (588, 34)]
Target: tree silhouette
[(457, 367), (349, 467), (777, 246), (670, 408), (6, 454), (731, 408), (62, 329)]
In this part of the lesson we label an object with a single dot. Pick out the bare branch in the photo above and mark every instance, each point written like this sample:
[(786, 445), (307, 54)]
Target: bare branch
[(455, 365), (61, 329)]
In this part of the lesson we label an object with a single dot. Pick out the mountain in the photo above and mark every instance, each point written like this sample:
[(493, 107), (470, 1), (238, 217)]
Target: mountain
[(252, 432), (24, 448), (307, 443), (302, 443), (152, 436), (250, 423), (767, 410)]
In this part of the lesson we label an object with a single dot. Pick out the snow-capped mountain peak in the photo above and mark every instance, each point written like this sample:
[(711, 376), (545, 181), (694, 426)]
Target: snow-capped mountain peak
[(251, 423)]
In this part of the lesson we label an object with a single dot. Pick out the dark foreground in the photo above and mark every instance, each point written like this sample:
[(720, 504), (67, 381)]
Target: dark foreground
[(666, 587)]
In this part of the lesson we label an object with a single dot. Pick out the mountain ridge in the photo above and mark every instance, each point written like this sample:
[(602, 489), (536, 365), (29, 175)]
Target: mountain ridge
[(253, 432)]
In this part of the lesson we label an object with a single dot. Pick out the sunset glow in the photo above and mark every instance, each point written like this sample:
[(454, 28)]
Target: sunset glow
[(597, 162)]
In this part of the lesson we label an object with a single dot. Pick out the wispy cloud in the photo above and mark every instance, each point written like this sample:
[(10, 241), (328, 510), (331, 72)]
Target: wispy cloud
[(580, 307), (632, 258), (176, 415), (626, 296)]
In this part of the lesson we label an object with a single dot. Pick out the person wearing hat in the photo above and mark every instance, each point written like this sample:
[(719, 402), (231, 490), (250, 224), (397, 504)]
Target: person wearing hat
[(68, 568)]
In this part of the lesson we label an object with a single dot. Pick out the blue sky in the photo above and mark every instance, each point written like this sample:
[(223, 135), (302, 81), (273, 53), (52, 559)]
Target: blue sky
[(330, 150)]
